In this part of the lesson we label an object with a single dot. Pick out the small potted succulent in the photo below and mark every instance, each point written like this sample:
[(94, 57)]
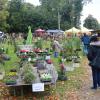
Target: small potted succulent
[(46, 77), (12, 73)]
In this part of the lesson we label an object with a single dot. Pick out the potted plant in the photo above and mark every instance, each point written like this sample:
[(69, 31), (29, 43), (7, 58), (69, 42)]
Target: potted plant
[(68, 49), (27, 73), (10, 81), (13, 70), (12, 73), (38, 43), (61, 73), (28, 77), (46, 77)]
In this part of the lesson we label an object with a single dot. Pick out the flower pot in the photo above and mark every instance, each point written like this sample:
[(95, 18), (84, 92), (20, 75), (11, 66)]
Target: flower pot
[(10, 82), (13, 70), (62, 77)]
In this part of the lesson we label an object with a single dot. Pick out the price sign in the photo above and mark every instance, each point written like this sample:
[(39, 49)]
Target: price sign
[(38, 87), (47, 57)]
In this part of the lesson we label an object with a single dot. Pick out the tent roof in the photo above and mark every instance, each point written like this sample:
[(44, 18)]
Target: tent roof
[(85, 30), (55, 31), (72, 30), (39, 30), (95, 31)]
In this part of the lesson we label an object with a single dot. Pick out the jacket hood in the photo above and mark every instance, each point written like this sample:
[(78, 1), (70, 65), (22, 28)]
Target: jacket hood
[(95, 43)]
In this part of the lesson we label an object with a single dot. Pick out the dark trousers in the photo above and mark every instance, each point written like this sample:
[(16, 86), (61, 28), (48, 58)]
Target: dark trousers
[(56, 54), (96, 77)]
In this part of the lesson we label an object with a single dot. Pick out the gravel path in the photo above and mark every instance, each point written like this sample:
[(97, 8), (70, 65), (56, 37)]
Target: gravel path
[(85, 93)]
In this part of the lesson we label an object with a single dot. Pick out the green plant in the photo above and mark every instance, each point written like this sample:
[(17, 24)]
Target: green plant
[(29, 77), (27, 73), (27, 67), (12, 73), (38, 43), (62, 76), (10, 80), (67, 48), (46, 77)]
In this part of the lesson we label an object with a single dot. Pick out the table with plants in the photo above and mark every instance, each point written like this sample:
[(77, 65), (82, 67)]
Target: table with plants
[(33, 69)]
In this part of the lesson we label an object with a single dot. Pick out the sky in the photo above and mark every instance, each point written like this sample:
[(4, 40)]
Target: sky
[(35, 2), (91, 8)]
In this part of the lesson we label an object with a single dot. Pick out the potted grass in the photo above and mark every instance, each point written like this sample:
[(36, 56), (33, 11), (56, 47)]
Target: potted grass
[(27, 73), (28, 76), (61, 73), (68, 49)]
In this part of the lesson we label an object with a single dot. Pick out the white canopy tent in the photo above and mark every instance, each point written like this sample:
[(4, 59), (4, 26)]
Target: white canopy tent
[(73, 30), (85, 30)]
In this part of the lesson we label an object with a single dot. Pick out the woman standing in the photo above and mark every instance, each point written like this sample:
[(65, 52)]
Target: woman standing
[(94, 53)]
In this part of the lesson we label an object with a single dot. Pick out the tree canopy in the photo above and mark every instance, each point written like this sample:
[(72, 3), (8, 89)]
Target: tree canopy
[(17, 15), (91, 23), (3, 15)]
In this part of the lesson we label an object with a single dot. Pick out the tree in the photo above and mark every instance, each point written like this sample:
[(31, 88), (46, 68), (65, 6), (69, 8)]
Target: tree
[(3, 15), (70, 11), (91, 22), (27, 17), (22, 14), (14, 20)]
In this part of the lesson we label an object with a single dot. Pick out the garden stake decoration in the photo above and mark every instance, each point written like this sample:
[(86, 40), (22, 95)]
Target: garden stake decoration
[(29, 37)]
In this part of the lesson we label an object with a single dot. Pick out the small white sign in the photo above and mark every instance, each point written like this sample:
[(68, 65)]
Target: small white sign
[(38, 87), (29, 59), (47, 57)]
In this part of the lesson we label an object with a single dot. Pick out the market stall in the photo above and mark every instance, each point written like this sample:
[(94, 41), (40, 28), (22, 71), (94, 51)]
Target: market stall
[(85, 30), (39, 32), (72, 31)]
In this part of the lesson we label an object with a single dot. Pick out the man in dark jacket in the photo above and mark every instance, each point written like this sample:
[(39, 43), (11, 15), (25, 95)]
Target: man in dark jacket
[(93, 52)]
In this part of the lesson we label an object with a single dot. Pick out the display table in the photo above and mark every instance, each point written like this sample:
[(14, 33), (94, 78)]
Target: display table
[(21, 85)]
